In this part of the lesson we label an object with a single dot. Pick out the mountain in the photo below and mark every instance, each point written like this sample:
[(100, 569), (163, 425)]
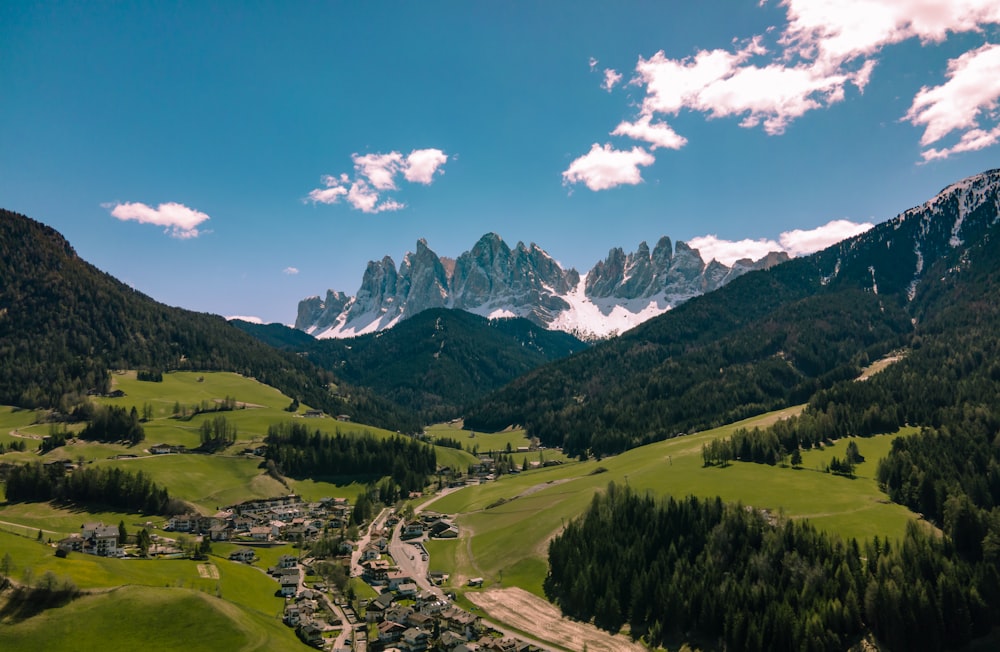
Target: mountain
[(494, 280), (434, 363), (768, 338), (64, 324)]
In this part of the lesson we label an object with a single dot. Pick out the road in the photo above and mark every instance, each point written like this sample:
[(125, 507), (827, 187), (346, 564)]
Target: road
[(376, 525)]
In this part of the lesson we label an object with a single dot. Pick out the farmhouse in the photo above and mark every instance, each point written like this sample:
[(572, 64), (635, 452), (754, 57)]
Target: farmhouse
[(99, 539), (289, 586), (245, 555)]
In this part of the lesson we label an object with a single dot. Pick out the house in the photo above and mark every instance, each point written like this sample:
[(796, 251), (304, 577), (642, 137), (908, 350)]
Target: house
[(260, 533), (370, 552), (398, 613), (99, 539), (476, 581), (313, 414), (161, 449), (219, 532), (449, 640), (460, 621), (390, 632), (72, 543), (417, 619), (375, 571), (396, 578), (311, 633), (289, 586), (343, 417), (292, 615), (378, 606), (416, 639), (407, 590), (413, 529), (245, 555), (183, 523), (288, 561)]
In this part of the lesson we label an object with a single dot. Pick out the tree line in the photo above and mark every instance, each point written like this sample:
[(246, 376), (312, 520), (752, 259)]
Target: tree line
[(732, 576), (299, 453), (101, 485)]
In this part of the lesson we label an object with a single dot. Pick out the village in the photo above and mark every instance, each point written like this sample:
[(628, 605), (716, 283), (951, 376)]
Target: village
[(411, 612)]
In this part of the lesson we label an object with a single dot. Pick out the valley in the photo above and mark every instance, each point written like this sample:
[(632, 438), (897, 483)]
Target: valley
[(505, 524), (803, 458)]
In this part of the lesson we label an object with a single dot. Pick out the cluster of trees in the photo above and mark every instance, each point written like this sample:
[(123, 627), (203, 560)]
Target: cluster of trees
[(217, 433), (766, 447), (149, 375), (110, 423), (13, 446), (299, 453), (727, 575), (92, 485)]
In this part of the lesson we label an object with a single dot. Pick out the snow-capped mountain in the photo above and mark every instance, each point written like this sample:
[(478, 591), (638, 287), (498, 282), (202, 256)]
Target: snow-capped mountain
[(494, 280)]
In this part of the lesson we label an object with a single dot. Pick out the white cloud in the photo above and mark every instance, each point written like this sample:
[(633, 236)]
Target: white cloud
[(251, 319), (658, 134), (824, 48), (611, 78), (837, 31), (376, 174), (180, 221), (379, 169), (960, 104), (421, 164), (603, 167), (291, 271), (797, 242), (729, 251)]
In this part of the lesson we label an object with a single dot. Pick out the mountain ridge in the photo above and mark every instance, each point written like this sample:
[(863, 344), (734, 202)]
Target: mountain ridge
[(494, 280), (768, 339)]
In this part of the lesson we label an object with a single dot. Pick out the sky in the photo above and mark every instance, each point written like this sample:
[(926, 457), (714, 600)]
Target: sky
[(235, 158)]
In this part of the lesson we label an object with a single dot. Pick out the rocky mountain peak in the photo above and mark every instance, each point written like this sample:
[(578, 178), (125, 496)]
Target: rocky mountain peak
[(492, 280)]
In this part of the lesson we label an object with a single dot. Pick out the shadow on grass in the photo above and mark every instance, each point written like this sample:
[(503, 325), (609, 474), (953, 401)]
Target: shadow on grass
[(22, 602)]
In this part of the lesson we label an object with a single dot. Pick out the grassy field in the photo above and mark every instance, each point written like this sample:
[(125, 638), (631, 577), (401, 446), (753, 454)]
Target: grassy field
[(237, 583), (150, 619), (506, 525), (485, 442)]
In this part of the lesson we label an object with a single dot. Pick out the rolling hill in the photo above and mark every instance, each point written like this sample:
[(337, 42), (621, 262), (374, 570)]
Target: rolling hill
[(433, 363)]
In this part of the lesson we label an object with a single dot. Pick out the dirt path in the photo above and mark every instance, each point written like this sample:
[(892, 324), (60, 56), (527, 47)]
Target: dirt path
[(542, 620)]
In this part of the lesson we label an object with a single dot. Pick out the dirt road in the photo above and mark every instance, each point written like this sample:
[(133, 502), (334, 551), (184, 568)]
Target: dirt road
[(542, 620)]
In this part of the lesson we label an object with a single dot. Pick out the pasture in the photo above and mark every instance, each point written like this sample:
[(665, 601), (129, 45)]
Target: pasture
[(150, 619), (506, 525)]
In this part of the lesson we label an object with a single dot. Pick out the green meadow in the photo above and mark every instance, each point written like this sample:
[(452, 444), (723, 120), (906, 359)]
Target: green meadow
[(237, 583), (506, 525), (150, 619), (485, 442)]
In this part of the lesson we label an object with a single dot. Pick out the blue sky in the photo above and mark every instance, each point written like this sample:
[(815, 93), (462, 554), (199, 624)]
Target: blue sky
[(235, 158)]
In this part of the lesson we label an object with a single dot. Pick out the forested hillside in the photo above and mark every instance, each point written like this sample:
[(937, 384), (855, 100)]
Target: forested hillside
[(64, 324), (768, 339), (731, 577), (433, 363)]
